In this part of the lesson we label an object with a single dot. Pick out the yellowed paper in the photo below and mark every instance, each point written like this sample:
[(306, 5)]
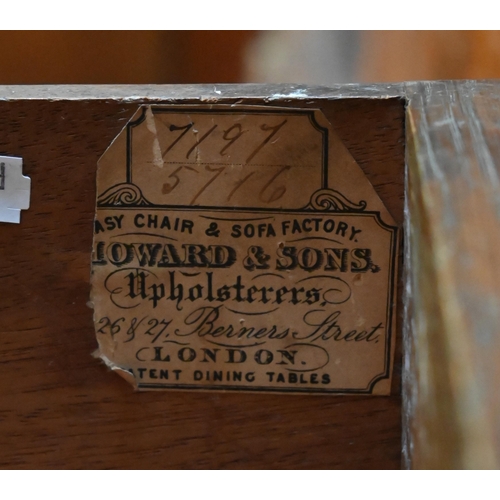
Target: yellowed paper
[(242, 248)]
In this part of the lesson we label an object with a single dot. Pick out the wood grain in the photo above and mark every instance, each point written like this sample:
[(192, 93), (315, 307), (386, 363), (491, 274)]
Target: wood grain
[(452, 402), (61, 408)]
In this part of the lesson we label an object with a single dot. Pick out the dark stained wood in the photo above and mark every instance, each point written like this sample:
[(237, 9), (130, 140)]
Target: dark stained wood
[(60, 407), (375, 139)]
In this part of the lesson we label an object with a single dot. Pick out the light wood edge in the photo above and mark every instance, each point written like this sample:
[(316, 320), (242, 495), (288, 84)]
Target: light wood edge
[(450, 403)]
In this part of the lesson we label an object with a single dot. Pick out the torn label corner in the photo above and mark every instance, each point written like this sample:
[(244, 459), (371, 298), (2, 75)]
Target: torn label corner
[(125, 374)]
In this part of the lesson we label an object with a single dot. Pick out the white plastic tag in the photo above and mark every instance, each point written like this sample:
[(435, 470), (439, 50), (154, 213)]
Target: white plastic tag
[(15, 189)]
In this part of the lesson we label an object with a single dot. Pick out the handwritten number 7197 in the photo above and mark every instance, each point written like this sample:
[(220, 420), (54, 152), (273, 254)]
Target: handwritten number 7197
[(231, 135)]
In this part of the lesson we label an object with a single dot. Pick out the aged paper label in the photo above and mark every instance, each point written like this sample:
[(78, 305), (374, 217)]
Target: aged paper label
[(242, 248)]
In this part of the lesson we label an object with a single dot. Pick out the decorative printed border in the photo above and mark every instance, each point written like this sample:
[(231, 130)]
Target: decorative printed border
[(122, 195), (128, 196), (389, 311)]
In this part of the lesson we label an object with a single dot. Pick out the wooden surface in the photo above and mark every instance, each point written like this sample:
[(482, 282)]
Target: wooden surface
[(61, 408), (452, 347)]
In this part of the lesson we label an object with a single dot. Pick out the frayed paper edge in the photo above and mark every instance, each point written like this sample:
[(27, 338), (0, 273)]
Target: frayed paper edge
[(122, 372)]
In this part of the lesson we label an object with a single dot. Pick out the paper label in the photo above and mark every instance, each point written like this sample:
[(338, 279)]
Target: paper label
[(242, 248)]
